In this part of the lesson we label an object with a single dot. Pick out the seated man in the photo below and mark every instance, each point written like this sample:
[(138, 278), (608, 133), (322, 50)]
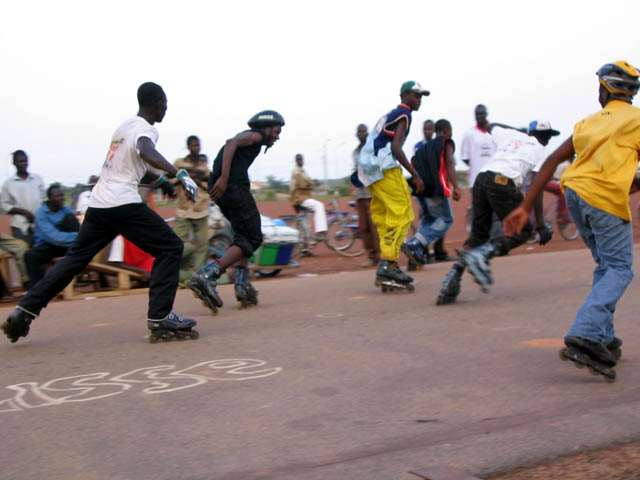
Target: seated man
[(55, 231), (301, 188)]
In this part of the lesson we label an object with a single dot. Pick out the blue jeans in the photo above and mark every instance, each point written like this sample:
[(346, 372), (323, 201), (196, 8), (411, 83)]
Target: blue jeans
[(435, 219), (610, 239)]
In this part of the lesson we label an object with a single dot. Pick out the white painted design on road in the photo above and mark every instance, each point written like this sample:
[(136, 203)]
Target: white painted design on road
[(330, 315), (152, 380)]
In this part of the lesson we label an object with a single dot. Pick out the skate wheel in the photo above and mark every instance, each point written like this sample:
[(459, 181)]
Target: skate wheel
[(611, 377), (194, 334), (593, 371), (411, 288), (562, 355), (385, 289)]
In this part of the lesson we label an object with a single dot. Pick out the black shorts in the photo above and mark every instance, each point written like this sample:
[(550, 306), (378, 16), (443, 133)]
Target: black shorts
[(239, 207)]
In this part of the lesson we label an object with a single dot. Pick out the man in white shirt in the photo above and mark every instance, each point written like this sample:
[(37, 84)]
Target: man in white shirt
[(301, 190), (477, 144), (21, 196), (115, 207), (497, 191)]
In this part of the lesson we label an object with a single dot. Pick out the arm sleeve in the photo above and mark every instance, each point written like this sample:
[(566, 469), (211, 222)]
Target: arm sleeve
[(49, 231), (6, 199), (150, 133)]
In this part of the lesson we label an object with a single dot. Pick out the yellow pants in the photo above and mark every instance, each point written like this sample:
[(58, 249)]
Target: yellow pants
[(391, 212)]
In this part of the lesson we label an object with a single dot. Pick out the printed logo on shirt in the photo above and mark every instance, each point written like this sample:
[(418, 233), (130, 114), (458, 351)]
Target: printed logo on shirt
[(113, 148)]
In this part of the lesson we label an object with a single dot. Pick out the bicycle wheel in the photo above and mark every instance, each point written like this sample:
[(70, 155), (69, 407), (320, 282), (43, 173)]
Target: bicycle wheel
[(267, 273), (340, 236)]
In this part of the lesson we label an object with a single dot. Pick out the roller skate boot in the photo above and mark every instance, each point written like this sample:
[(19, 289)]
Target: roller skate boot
[(390, 278), (615, 347), (583, 352), (17, 324), (203, 286), (477, 261), (173, 326), (451, 284), (245, 293), (414, 251)]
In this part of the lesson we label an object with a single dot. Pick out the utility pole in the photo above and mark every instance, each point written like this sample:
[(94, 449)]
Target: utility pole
[(325, 164)]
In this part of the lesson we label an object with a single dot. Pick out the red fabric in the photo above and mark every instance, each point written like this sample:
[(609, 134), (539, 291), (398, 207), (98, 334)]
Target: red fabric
[(136, 257), (443, 175)]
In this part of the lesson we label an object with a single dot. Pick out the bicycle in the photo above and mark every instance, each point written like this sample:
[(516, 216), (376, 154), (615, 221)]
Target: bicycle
[(341, 235)]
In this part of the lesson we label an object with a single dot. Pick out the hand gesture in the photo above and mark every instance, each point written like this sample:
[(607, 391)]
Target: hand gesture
[(515, 221), (418, 184), (218, 189)]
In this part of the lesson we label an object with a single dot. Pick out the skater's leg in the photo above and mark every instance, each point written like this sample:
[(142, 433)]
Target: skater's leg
[(482, 213), (378, 213), (239, 207), (439, 252), (613, 240), (148, 231), (95, 233), (436, 221), (319, 215), (493, 193), (451, 284), (504, 198), (392, 211), (246, 294)]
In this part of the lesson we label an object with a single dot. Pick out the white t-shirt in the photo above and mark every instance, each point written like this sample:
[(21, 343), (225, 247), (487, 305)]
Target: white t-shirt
[(123, 168), (83, 202), (516, 155), (477, 147), (26, 193)]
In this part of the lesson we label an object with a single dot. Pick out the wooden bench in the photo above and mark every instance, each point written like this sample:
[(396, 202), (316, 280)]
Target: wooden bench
[(9, 272), (123, 277)]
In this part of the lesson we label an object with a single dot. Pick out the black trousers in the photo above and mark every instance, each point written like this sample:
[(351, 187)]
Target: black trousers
[(38, 258), (239, 207), (138, 224), (493, 192)]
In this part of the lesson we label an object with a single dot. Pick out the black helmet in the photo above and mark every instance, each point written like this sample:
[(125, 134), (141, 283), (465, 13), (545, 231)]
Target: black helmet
[(266, 118), (620, 79)]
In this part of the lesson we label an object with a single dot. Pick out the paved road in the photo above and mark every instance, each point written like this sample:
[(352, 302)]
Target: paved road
[(327, 379)]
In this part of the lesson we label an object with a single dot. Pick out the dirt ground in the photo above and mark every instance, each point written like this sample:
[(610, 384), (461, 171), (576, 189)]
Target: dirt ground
[(616, 463)]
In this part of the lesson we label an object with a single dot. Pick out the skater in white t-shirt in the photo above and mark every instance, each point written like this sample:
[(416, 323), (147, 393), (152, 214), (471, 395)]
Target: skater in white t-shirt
[(115, 207), (497, 191)]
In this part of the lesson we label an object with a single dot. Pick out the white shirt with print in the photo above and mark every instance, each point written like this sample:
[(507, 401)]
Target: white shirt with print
[(478, 148), (123, 168), (516, 155)]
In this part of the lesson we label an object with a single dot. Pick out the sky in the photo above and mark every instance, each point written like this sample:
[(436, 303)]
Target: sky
[(71, 71)]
